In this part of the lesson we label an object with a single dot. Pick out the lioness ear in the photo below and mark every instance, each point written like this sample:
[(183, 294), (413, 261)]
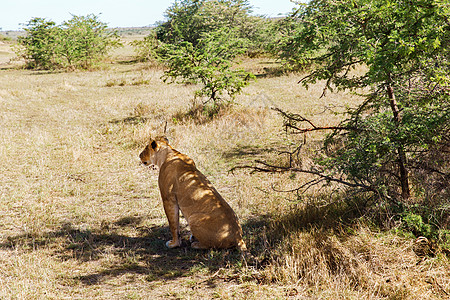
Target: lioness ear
[(153, 144)]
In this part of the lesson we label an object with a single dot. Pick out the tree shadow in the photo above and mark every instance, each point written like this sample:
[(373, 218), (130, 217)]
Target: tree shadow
[(265, 233), (272, 72), (245, 151), (132, 120), (242, 154), (144, 253)]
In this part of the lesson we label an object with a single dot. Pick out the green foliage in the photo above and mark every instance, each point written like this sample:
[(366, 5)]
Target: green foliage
[(146, 49), (416, 225), (367, 152), (181, 23), (190, 20), (208, 63), (393, 38), (404, 47), (78, 43), (288, 42), (39, 50), (5, 38), (85, 40)]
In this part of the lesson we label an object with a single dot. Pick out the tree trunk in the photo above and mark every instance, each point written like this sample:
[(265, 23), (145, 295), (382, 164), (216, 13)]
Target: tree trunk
[(404, 182)]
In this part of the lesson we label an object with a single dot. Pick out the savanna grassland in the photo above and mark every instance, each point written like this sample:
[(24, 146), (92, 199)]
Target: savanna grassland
[(80, 218)]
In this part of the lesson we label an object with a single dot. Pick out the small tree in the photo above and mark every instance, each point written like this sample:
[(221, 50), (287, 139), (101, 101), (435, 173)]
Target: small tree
[(146, 49), (190, 20), (85, 40), (39, 44), (78, 43), (208, 63)]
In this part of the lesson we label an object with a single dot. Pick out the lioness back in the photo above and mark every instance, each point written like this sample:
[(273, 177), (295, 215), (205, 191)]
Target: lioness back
[(212, 221)]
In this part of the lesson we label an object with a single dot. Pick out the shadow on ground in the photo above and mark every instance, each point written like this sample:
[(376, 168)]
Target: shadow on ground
[(126, 246), (144, 254), (246, 151)]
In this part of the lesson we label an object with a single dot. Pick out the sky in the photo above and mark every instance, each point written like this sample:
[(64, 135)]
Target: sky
[(116, 13)]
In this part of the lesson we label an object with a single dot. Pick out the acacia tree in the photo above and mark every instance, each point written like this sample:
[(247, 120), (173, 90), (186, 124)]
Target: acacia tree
[(208, 63), (190, 20), (38, 46), (200, 41), (78, 43), (404, 47), (85, 40)]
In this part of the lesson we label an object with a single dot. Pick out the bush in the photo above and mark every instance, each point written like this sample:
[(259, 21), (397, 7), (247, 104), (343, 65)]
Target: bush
[(190, 20), (416, 225), (5, 38), (146, 49), (209, 63), (76, 44), (39, 45)]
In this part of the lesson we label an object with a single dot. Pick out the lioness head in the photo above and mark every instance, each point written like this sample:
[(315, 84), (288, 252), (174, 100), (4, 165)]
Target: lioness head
[(150, 156)]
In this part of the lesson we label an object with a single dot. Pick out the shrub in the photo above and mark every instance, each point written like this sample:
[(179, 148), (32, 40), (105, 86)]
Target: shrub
[(78, 43), (208, 63), (39, 49), (5, 38), (416, 225), (190, 20), (146, 49)]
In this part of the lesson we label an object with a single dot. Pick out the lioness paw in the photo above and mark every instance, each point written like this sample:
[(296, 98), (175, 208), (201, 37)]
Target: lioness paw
[(173, 244), (198, 245)]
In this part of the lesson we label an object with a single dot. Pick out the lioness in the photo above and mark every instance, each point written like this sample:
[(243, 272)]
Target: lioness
[(212, 221)]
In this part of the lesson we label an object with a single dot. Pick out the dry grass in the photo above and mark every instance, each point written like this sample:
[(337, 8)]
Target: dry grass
[(81, 218)]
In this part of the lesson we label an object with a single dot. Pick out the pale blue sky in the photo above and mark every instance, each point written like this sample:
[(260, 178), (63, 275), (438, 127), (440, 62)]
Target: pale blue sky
[(121, 13)]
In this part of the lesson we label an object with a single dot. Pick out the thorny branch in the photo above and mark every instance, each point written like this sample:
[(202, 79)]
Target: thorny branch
[(269, 168), (291, 119)]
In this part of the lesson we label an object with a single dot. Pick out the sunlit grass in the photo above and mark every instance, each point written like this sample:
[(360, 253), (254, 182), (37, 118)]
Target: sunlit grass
[(81, 218)]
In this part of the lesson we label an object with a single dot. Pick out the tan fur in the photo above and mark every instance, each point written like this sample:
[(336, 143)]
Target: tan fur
[(212, 221)]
